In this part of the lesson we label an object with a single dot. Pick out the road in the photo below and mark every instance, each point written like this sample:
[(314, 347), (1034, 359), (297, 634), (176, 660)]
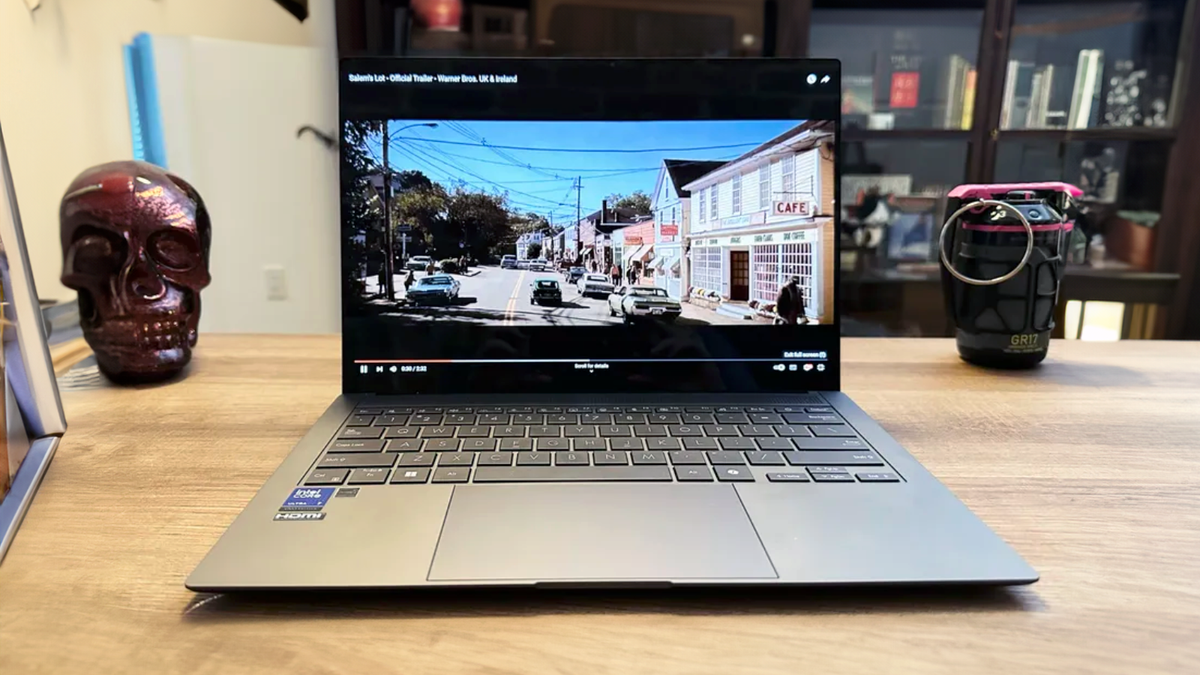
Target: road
[(501, 297)]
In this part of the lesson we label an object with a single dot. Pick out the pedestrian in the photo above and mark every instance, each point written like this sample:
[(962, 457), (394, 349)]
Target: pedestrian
[(409, 281), (430, 269), (790, 303), (615, 273)]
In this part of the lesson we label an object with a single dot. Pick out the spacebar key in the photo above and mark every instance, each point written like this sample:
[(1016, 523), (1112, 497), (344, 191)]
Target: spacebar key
[(570, 474)]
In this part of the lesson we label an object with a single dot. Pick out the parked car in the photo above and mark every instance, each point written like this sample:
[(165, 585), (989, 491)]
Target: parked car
[(631, 302), (573, 274), (545, 290), (522, 264), (418, 263), (538, 265), (594, 284), (434, 289), (508, 262)]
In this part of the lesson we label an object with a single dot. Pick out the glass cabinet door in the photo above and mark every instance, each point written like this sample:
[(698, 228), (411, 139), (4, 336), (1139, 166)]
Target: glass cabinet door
[(904, 65)]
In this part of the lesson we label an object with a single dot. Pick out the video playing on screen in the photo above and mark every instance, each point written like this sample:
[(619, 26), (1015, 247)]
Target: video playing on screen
[(577, 223)]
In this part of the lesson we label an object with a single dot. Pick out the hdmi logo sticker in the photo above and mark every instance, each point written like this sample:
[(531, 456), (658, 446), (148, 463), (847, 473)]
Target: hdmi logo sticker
[(300, 515)]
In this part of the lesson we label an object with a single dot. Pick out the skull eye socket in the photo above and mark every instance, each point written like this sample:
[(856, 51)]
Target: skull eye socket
[(174, 250), (96, 253)]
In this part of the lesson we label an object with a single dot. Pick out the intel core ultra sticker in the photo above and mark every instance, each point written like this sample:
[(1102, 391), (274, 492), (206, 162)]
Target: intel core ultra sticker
[(307, 499)]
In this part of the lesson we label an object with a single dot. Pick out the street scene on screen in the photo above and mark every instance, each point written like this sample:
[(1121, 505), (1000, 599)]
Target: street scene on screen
[(589, 223)]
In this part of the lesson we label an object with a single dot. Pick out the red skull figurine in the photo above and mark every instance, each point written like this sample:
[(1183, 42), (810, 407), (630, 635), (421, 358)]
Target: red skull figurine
[(135, 244)]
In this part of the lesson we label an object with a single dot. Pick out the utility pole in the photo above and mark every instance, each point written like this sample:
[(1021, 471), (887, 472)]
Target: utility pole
[(388, 255), (578, 215)]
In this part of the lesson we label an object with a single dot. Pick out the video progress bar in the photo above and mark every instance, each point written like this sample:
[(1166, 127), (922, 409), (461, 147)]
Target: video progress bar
[(398, 362)]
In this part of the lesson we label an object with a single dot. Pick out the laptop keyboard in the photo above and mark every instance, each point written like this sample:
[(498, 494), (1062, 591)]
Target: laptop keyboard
[(533, 444)]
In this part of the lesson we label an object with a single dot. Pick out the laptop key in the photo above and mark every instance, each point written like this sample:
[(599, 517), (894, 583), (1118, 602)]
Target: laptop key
[(402, 432), (819, 409), (458, 419), (625, 444), (442, 445), (725, 457), (812, 418), (571, 459), (640, 409), (700, 443), (425, 419), (544, 432), (732, 418), (693, 474), (519, 410), (361, 432), (596, 418), (615, 430), (832, 478), (489, 411), (552, 409), (792, 431), (737, 443), (733, 474), (452, 475), (578, 431), (495, 419), (788, 477), (663, 444), (629, 418), (508, 432), (456, 459), (663, 418), (827, 469), (668, 409), (406, 475), (360, 460), (720, 430), (686, 457), (698, 418), (360, 421), (553, 444), (649, 458), (756, 430), (764, 458), (356, 446), (368, 476), (529, 419), (437, 432), (327, 477), (833, 458), (562, 419), (649, 430), (533, 459), (610, 458), (391, 420), (473, 432), (458, 411), (417, 459), (405, 445), (571, 474), (874, 477), (831, 444), (589, 444), (479, 444), (522, 444), (685, 430), (496, 459), (832, 431), (429, 411), (765, 418), (784, 444)]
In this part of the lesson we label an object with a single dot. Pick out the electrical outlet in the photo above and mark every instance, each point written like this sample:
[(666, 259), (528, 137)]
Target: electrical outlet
[(276, 283)]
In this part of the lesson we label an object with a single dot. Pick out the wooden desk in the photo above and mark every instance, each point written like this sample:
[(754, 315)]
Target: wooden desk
[(1089, 466)]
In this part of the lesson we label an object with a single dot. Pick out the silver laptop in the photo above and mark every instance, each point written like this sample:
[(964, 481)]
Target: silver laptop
[(32, 414), (591, 338)]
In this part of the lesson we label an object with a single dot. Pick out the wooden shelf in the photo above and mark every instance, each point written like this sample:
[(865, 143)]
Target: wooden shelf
[(1095, 134), (860, 134)]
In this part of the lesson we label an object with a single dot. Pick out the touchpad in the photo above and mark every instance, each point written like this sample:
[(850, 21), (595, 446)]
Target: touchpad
[(598, 532)]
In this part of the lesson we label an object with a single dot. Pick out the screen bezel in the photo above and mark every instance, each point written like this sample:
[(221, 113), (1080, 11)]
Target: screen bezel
[(748, 378)]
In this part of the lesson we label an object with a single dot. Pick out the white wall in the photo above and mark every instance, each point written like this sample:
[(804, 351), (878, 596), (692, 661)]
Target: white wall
[(63, 100)]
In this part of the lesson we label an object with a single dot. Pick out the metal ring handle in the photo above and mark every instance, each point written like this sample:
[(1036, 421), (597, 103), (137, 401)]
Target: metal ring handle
[(985, 282)]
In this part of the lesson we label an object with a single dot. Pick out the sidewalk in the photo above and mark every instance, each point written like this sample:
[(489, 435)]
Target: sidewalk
[(697, 313)]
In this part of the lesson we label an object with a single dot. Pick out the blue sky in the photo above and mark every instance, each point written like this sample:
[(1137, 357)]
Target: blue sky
[(540, 176)]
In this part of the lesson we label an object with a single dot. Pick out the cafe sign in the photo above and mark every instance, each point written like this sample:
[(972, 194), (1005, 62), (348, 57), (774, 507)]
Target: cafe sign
[(741, 221), (802, 209)]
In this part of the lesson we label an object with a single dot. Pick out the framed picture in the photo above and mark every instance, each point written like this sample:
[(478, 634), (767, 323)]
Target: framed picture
[(912, 228)]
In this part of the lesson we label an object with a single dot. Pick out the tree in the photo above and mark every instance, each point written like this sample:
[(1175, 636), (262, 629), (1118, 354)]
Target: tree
[(359, 218), (424, 210), (533, 251), (637, 200), (478, 219)]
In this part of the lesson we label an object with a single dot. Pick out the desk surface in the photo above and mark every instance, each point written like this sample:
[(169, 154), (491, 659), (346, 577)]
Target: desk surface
[(1090, 467)]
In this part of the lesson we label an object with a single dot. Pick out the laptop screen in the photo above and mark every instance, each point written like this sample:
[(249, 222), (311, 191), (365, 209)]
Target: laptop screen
[(589, 225)]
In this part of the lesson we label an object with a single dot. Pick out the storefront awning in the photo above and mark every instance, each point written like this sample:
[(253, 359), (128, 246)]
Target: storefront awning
[(668, 259), (638, 253)]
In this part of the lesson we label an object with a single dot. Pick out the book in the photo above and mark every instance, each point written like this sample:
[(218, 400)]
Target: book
[(905, 87), (951, 85), (858, 95), (1085, 97), (1010, 90), (1021, 89), (968, 107), (1039, 99)]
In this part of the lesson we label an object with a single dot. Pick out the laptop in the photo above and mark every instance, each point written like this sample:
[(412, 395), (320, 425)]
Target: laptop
[(591, 338), (32, 414)]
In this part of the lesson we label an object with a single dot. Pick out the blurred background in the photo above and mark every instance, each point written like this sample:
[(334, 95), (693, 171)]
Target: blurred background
[(936, 93)]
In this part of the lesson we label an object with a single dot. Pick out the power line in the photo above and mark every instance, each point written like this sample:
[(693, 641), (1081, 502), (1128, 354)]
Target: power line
[(577, 150), (451, 164), (421, 156)]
